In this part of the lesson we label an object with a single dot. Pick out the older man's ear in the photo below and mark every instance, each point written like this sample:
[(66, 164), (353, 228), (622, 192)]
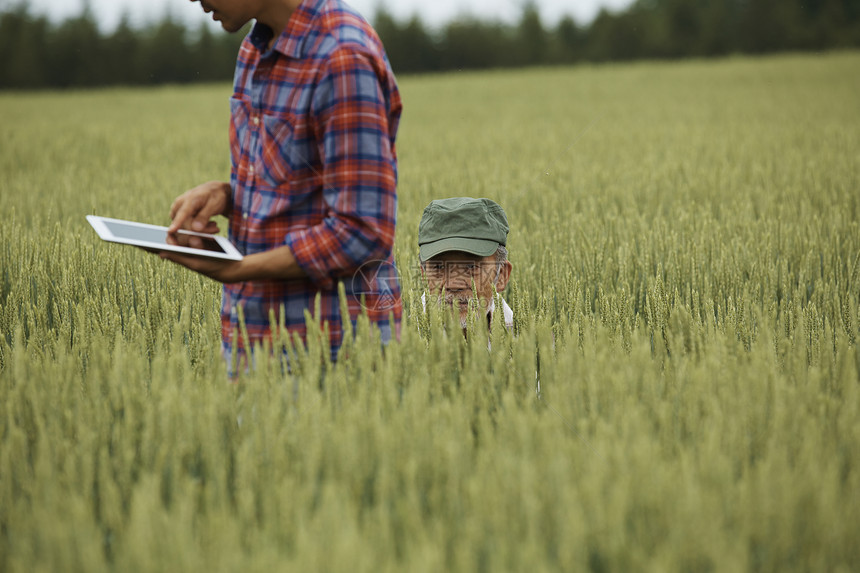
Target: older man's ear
[(504, 276)]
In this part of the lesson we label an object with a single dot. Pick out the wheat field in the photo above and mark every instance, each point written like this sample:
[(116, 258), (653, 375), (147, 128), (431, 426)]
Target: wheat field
[(681, 391)]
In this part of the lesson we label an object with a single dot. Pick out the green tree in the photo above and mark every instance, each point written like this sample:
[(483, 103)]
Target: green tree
[(470, 44), (166, 53), (22, 49), (533, 37), (122, 52), (410, 47), (569, 41), (717, 31), (614, 37), (387, 29), (837, 23), (204, 66), (75, 53), (422, 50)]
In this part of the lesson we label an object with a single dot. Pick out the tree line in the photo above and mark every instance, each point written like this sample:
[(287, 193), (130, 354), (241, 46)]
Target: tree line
[(35, 53)]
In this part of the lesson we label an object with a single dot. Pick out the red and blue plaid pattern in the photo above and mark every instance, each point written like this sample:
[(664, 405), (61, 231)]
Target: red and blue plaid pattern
[(314, 167)]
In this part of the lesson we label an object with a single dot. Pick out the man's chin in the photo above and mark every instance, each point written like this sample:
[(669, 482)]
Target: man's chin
[(464, 306), (231, 27), (466, 310)]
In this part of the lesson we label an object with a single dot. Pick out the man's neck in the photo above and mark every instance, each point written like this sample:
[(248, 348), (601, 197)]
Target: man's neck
[(276, 15)]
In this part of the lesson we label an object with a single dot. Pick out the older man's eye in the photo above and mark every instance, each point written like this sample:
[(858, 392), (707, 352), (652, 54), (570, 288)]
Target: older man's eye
[(470, 268)]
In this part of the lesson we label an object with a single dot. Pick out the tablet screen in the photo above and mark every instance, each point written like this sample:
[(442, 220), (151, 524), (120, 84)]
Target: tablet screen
[(135, 233)]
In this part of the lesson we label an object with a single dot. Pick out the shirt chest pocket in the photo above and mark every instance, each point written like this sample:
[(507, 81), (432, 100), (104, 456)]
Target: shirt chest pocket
[(286, 156)]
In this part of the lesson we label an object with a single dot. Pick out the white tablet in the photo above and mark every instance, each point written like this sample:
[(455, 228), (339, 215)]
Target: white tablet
[(155, 237)]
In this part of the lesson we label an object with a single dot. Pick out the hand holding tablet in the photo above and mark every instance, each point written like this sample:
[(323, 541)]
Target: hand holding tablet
[(156, 238)]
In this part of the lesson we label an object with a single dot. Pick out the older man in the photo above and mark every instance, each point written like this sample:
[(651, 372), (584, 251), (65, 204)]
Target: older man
[(463, 256)]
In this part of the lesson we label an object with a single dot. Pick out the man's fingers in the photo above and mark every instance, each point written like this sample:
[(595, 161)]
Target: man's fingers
[(202, 218), (194, 209), (185, 212), (174, 207), (185, 261), (214, 269)]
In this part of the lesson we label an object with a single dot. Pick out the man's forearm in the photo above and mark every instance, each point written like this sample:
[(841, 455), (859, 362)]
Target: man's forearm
[(275, 264)]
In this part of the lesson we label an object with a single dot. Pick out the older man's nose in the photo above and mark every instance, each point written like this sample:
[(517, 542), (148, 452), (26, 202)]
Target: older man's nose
[(457, 285)]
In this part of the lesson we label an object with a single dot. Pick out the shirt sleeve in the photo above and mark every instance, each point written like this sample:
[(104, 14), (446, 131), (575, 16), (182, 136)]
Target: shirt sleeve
[(351, 113)]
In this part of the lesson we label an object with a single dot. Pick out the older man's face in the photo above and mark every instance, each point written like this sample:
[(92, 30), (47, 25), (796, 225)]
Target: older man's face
[(461, 276)]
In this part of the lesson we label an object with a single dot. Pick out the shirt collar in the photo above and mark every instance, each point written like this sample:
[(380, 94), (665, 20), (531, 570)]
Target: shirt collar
[(291, 41), (507, 311)]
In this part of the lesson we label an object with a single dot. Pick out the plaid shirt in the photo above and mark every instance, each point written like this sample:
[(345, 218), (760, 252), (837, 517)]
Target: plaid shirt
[(314, 167)]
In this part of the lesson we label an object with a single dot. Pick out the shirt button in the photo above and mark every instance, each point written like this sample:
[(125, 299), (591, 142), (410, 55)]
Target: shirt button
[(256, 120), (244, 215), (251, 169)]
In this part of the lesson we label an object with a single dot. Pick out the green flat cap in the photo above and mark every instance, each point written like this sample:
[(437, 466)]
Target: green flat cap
[(476, 226)]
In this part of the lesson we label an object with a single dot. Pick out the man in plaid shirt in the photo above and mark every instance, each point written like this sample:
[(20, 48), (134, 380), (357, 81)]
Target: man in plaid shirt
[(311, 199)]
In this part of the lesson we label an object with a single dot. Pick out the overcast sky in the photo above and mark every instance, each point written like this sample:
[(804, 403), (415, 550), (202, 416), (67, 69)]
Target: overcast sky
[(434, 12)]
